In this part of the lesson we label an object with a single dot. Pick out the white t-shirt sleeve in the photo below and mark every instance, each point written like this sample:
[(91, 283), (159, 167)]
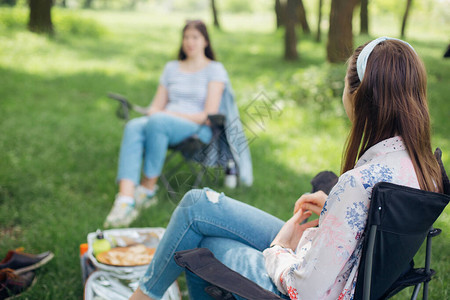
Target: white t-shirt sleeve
[(218, 73), (164, 79)]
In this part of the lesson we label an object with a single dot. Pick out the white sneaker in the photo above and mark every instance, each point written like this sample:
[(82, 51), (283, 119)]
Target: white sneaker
[(143, 199), (121, 214)]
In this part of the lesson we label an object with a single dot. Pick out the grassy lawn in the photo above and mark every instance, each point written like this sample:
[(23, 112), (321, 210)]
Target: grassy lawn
[(60, 137)]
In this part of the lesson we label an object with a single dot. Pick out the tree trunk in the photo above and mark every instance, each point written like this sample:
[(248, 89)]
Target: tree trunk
[(364, 17), (63, 3), (214, 11), (40, 16), (302, 17), (319, 20), (405, 17), (87, 4), (133, 4), (279, 12), (290, 37), (340, 35)]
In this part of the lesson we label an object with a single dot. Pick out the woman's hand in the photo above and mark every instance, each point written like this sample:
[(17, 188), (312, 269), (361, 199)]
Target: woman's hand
[(313, 202), (292, 230)]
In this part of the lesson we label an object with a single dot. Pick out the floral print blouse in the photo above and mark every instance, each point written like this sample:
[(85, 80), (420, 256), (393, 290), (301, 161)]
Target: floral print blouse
[(325, 262)]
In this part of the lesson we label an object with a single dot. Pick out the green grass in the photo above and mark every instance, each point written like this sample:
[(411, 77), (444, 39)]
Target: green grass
[(60, 138)]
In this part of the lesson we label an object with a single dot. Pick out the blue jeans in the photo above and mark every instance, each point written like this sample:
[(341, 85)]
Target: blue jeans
[(235, 232), (148, 138)]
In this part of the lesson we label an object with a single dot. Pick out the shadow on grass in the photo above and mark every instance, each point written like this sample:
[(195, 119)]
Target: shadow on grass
[(61, 140), (59, 158)]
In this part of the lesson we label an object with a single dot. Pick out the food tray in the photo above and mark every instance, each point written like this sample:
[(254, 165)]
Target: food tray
[(150, 237)]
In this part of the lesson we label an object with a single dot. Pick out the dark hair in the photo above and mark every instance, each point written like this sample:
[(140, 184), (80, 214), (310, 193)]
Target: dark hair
[(391, 100), (201, 27)]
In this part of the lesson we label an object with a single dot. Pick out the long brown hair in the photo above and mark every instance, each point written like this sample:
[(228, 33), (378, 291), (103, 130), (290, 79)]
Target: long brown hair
[(392, 100), (201, 27)]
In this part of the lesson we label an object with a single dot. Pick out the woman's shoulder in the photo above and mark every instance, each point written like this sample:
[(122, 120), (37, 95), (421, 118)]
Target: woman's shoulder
[(367, 175), (216, 63), (350, 179), (395, 167), (216, 71)]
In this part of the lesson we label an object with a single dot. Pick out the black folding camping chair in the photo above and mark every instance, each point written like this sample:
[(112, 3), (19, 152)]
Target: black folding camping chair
[(192, 149), (400, 219)]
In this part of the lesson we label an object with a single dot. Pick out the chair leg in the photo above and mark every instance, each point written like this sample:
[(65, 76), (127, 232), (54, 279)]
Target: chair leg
[(427, 264), (425, 291), (416, 291)]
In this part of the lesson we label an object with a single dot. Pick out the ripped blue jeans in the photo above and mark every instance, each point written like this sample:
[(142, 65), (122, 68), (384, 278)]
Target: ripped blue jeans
[(235, 232)]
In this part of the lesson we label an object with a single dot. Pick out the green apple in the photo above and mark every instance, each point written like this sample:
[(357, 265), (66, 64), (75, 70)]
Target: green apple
[(100, 245)]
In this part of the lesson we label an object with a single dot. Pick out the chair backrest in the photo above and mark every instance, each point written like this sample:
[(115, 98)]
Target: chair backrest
[(399, 221)]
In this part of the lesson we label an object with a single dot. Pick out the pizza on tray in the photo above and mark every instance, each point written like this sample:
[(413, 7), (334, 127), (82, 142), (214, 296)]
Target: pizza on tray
[(136, 255)]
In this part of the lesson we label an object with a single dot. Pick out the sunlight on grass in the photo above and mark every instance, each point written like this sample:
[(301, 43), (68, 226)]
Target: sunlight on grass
[(60, 136)]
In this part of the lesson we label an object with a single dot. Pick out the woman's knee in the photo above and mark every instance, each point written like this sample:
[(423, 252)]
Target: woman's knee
[(157, 121), (192, 197), (135, 125), (203, 196)]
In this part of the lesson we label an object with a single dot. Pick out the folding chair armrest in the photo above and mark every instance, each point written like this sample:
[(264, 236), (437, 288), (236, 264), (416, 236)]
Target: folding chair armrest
[(434, 232), (123, 111), (121, 99), (202, 262), (125, 106)]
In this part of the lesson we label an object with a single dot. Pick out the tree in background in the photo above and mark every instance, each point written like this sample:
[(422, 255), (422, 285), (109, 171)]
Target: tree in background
[(8, 2), (288, 14), (214, 11), (290, 36), (364, 17), (340, 35), (87, 4), (300, 14), (405, 17), (302, 17), (132, 4), (319, 20), (40, 16), (280, 10)]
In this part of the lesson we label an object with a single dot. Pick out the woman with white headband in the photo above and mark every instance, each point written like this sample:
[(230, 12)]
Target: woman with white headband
[(385, 99)]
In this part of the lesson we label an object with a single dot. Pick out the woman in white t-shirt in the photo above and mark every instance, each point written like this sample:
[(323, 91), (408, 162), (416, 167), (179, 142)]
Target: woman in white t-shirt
[(190, 89)]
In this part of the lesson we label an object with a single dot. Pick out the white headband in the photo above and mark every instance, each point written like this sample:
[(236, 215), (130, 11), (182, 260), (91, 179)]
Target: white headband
[(361, 62)]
